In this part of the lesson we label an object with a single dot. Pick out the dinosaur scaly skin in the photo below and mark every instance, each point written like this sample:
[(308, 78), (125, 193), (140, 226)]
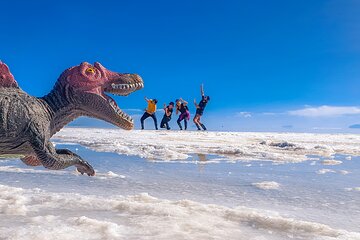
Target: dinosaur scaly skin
[(27, 123)]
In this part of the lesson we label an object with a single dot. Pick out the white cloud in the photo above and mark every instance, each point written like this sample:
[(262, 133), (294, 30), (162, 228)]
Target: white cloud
[(244, 114), (325, 111)]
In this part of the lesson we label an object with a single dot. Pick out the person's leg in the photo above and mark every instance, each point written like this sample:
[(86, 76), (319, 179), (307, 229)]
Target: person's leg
[(155, 120), (167, 123), (186, 118), (200, 123), (179, 122), (196, 121), (144, 116), (163, 122)]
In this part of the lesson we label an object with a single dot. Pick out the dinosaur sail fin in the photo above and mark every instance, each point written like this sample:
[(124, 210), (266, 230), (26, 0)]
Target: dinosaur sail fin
[(7, 80)]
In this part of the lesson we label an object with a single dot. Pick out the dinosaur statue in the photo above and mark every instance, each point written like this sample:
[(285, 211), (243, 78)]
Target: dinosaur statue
[(27, 123)]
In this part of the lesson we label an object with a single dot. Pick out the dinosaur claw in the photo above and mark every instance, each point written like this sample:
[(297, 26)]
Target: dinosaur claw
[(85, 167)]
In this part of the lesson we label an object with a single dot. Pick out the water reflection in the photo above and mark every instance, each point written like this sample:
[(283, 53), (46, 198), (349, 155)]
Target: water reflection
[(202, 158)]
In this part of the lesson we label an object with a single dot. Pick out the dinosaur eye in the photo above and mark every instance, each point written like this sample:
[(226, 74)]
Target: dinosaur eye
[(90, 70)]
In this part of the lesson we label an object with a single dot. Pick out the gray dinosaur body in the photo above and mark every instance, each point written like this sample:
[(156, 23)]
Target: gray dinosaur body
[(27, 123)]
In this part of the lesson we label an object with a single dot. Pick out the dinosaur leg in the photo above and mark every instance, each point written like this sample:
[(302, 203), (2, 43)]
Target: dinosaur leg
[(31, 160), (56, 159), (81, 165)]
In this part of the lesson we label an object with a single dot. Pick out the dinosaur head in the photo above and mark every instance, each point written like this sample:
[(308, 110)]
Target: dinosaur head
[(6, 78), (87, 86)]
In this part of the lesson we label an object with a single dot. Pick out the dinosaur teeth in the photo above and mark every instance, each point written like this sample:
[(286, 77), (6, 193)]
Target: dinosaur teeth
[(127, 85), (119, 112), (119, 86)]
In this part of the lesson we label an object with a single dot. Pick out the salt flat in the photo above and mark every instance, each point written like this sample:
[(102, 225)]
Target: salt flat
[(177, 145), (188, 185)]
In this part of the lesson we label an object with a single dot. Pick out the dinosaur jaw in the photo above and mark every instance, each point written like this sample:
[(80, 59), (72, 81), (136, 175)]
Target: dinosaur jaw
[(124, 89), (124, 85), (118, 117)]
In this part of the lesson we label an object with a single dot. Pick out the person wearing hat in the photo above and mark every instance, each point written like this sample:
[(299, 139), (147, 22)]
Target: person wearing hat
[(200, 108), (167, 116), (149, 112)]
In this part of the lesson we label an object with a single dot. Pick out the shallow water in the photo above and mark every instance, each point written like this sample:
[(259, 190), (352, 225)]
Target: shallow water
[(192, 199)]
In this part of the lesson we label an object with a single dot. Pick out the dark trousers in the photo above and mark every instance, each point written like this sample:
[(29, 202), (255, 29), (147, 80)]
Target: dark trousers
[(145, 116), (165, 122), (179, 123)]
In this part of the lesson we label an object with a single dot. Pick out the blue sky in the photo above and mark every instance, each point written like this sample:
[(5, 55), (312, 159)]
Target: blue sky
[(265, 64)]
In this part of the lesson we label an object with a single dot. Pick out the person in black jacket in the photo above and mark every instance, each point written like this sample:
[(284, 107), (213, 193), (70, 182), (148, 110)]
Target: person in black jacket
[(167, 116), (200, 109)]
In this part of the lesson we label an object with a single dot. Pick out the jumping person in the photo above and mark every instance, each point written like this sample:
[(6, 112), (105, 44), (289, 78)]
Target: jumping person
[(149, 112), (181, 106), (200, 108), (167, 116)]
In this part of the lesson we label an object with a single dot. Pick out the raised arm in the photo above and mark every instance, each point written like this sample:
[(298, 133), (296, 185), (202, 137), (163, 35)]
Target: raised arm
[(196, 105), (146, 99), (183, 101), (166, 110), (202, 90)]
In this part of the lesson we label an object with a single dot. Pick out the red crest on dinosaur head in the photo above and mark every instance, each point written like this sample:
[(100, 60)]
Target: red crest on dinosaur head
[(6, 78), (88, 78), (83, 77)]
